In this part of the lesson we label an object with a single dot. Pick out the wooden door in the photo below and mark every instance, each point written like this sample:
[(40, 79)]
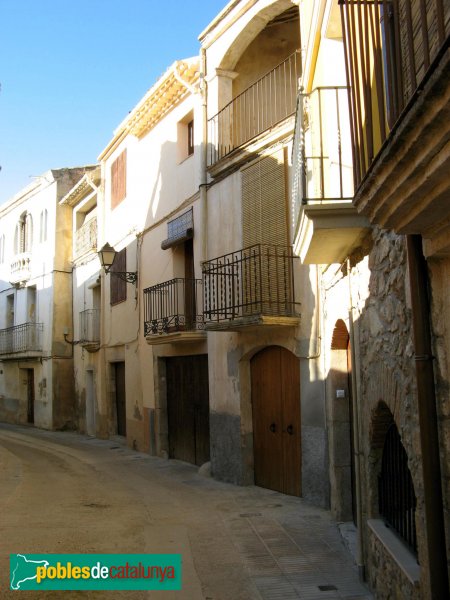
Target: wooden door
[(121, 414), (275, 377), (188, 408), (351, 430), (30, 395)]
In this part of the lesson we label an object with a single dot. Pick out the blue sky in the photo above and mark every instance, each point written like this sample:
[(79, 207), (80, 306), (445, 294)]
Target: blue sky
[(71, 70)]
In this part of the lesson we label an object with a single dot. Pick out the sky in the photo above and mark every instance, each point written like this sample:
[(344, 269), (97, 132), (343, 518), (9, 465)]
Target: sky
[(71, 70)]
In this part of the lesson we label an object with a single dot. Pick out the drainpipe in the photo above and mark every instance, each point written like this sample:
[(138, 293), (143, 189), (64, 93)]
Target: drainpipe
[(429, 434), (356, 450), (203, 158)]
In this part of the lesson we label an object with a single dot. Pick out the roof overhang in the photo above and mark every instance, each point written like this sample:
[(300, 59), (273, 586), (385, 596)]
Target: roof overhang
[(177, 82)]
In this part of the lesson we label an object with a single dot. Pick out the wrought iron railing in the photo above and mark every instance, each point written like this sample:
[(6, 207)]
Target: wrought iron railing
[(90, 325), (26, 337), (396, 497), (174, 305), (390, 47), (267, 102), (86, 237), (322, 148), (257, 280)]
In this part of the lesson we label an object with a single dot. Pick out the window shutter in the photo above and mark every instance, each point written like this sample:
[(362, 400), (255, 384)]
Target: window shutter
[(118, 287), (119, 179), (264, 204)]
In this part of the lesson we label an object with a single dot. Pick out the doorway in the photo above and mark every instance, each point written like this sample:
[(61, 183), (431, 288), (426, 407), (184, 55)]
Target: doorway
[(30, 396), (188, 408), (275, 381), (90, 403), (120, 398)]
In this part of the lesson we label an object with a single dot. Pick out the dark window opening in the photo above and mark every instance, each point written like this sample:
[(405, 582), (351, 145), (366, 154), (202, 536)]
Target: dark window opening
[(190, 128), (396, 497)]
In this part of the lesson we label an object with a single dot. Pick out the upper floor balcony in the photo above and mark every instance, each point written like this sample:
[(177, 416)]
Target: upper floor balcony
[(20, 268), (90, 329), (327, 226), (173, 311), (250, 287), (398, 62), (23, 340), (263, 105), (86, 238)]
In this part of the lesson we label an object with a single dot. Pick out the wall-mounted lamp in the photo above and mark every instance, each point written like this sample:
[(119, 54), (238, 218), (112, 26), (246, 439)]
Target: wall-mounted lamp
[(107, 256)]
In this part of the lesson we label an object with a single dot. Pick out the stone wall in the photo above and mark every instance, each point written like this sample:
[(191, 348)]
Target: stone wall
[(386, 378)]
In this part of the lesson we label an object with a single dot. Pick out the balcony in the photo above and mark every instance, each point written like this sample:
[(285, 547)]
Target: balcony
[(21, 341), (20, 268), (328, 227), (266, 103), (173, 311), (90, 329), (86, 238), (401, 120), (252, 287)]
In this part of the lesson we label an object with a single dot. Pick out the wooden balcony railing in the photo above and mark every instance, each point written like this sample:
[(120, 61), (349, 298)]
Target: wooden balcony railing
[(391, 47), (267, 102), (174, 305), (254, 281), (26, 337)]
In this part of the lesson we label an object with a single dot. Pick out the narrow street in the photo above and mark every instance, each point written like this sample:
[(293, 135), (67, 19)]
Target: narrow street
[(68, 493)]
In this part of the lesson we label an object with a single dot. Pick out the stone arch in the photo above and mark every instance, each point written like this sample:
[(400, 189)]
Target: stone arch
[(245, 36), (339, 340)]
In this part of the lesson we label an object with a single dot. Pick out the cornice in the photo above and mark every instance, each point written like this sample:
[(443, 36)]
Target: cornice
[(177, 82)]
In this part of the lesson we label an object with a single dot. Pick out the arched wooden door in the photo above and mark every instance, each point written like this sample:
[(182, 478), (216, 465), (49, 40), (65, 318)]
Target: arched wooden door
[(275, 378)]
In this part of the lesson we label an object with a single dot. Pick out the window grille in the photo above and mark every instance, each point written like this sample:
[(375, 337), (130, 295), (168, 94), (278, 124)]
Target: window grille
[(396, 497)]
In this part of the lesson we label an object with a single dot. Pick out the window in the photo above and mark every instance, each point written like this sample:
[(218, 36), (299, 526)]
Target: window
[(396, 497), (185, 137), (2, 249), (43, 226), (119, 179), (23, 237), (118, 287), (190, 132)]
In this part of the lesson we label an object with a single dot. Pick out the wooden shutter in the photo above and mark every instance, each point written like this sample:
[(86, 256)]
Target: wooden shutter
[(118, 287), (119, 179), (264, 203), (267, 272)]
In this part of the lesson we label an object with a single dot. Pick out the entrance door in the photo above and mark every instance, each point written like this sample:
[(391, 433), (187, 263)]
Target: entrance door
[(30, 395), (90, 403), (350, 418), (188, 408), (119, 375), (275, 376)]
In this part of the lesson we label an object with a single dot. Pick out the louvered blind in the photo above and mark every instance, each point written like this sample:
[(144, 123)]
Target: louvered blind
[(266, 269), (264, 214), (119, 179)]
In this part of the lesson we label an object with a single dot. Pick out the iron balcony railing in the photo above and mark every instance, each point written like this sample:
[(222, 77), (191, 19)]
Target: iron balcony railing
[(90, 326), (86, 237), (267, 102), (257, 280), (26, 337), (174, 305)]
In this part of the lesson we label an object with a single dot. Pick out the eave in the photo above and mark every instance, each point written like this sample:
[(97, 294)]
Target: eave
[(176, 84)]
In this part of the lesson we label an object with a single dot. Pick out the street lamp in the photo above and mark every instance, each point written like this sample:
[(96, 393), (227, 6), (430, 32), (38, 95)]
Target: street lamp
[(107, 256)]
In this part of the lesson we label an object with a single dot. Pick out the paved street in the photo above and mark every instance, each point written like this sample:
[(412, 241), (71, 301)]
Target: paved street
[(68, 493)]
